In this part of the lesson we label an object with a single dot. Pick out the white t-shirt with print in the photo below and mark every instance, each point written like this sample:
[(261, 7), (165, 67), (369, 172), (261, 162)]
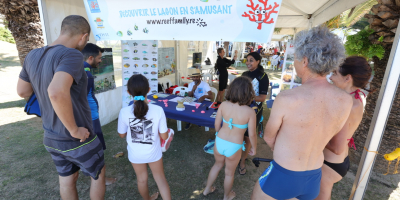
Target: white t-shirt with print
[(201, 90), (143, 135)]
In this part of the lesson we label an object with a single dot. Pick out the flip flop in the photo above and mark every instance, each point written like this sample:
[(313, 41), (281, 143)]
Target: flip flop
[(241, 169)]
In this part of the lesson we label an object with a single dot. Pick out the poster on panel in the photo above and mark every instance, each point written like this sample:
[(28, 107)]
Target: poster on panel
[(104, 79), (289, 76), (205, 20), (166, 61), (139, 57)]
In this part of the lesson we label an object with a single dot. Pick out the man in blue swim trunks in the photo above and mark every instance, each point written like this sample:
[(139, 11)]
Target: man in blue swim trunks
[(303, 120), (92, 55)]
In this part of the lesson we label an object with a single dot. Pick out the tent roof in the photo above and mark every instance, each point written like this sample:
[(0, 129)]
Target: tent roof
[(296, 14)]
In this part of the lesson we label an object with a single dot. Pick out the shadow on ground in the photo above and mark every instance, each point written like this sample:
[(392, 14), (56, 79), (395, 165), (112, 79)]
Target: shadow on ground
[(8, 61)]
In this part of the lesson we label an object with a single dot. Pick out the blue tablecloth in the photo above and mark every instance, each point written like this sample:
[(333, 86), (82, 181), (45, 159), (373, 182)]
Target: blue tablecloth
[(187, 115)]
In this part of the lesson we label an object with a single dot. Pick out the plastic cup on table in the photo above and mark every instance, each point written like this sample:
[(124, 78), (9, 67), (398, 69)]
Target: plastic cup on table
[(197, 105)]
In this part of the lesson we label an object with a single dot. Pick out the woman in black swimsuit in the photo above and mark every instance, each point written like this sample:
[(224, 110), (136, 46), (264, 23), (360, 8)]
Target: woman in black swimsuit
[(222, 65), (353, 75)]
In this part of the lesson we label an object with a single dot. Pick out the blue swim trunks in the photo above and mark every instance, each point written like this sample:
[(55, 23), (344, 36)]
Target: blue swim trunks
[(281, 183)]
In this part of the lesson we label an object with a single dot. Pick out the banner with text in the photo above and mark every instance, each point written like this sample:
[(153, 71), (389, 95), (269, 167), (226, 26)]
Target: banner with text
[(205, 20)]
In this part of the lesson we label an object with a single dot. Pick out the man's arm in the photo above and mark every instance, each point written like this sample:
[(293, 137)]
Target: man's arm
[(274, 122), (24, 89), (209, 95), (260, 98), (193, 89), (60, 97)]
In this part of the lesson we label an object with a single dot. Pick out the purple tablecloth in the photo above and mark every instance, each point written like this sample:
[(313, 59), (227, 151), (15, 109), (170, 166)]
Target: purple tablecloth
[(187, 115)]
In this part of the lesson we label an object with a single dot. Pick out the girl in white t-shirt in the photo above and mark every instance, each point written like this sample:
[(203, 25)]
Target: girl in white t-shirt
[(143, 124)]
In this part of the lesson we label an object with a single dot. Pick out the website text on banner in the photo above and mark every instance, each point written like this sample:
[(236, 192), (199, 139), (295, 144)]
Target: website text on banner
[(206, 20)]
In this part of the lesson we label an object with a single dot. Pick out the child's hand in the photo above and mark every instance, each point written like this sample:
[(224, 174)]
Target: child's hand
[(252, 152)]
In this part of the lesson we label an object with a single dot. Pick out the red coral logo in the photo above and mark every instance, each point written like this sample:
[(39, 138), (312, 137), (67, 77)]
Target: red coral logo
[(257, 13)]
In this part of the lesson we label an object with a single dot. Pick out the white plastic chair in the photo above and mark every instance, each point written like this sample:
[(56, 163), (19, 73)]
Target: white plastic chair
[(264, 62), (231, 77), (208, 78), (181, 90), (274, 63), (236, 62), (215, 91)]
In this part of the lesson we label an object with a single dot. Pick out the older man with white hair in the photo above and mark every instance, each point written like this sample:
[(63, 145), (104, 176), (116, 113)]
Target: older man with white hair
[(303, 120)]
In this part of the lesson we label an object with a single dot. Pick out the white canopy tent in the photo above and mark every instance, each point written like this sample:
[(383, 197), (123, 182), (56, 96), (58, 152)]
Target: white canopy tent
[(294, 16)]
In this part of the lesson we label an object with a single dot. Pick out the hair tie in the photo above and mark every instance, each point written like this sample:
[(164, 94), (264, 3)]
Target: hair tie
[(139, 98)]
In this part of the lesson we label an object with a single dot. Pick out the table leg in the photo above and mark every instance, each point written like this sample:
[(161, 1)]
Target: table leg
[(179, 125), (207, 128)]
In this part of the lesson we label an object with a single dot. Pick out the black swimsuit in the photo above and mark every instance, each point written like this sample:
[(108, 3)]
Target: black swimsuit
[(340, 168)]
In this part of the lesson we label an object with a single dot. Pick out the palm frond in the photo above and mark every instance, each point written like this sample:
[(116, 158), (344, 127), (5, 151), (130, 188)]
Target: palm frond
[(358, 12), (277, 30)]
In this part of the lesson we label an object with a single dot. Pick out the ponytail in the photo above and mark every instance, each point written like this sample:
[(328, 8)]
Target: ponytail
[(138, 87), (140, 109)]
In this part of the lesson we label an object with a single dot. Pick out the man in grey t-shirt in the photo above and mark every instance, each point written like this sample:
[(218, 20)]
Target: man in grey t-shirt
[(55, 73)]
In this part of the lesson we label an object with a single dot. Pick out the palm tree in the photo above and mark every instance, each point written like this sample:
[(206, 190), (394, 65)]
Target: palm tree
[(24, 23), (383, 20), (350, 17)]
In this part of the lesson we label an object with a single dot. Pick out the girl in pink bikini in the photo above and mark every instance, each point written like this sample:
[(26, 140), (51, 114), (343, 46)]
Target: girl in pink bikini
[(353, 75)]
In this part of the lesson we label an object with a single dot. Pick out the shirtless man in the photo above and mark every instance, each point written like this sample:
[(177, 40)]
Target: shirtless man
[(303, 120)]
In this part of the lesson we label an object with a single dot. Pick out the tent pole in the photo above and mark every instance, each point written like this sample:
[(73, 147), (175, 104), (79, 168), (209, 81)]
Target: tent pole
[(378, 123), (42, 7), (177, 62)]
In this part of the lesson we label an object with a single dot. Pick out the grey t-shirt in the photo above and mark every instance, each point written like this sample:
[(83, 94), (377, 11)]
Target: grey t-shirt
[(39, 68)]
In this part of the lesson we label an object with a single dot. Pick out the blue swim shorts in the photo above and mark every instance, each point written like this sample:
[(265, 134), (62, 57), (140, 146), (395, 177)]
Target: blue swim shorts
[(281, 183)]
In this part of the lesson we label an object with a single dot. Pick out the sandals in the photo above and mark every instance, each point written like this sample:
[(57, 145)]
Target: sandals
[(240, 170)]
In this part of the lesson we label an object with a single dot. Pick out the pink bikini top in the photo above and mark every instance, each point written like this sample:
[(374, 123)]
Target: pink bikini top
[(357, 96)]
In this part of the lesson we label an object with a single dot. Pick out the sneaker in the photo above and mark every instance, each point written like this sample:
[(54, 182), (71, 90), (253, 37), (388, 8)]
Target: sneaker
[(165, 143), (188, 125)]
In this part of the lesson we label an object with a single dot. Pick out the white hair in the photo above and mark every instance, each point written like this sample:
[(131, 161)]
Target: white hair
[(323, 49)]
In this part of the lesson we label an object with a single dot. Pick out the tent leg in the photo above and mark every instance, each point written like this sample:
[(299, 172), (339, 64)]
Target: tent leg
[(179, 125), (177, 63), (377, 129)]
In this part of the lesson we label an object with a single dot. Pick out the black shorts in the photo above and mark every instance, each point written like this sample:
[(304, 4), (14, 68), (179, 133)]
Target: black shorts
[(88, 157), (223, 82), (99, 133), (258, 115)]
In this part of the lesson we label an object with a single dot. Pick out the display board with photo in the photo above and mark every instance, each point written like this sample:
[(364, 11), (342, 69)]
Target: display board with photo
[(104, 79), (166, 61), (139, 57), (289, 77)]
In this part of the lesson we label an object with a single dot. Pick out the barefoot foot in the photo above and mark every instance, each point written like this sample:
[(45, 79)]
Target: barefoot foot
[(110, 181), (230, 196), (154, 196), (209, 191)]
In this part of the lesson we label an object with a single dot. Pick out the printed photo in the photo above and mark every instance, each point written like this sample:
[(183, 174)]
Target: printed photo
[(287, 78), (289, 66), (285, 87), (141, 130)]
